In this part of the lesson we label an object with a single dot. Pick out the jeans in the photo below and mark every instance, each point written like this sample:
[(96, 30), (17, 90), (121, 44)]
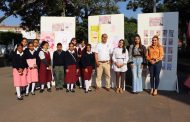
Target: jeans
[(137, 74), (155, 74)]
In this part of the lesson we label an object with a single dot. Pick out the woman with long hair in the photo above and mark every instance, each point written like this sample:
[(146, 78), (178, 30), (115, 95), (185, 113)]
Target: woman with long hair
[(137, 60), (154, 56), (120, 59)]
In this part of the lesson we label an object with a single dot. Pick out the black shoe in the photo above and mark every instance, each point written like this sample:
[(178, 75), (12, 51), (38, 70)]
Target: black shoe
[(73, 90), (27, 94), (49, 90), (19, 98), (41, 90), (57, 89), (33, 93), (60, 88), (67, 90)]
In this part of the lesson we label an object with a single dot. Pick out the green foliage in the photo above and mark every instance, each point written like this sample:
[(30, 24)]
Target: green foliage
[(7, 37), (130, 29), (182, 6)]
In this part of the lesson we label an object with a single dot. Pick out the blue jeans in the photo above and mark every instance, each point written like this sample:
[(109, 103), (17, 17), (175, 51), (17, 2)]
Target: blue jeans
[(137, 74), (155, 74)]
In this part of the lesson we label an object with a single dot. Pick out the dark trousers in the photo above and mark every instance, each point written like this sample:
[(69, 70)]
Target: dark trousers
[(120, 75), (155, 74)]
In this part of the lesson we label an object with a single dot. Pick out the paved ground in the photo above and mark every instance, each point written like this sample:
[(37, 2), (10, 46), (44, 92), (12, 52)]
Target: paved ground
[(99, 106)]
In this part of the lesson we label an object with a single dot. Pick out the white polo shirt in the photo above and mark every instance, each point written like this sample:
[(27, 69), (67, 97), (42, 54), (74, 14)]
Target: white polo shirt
[(103, 50)]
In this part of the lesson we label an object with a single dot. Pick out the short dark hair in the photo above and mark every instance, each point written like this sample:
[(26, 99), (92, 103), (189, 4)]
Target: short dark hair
[(71, 43), (73, 39), (35, 40), (104, 34), (19, 45), (43, 43), (24, 38), (59, 44), (30, 43), (89, 45)]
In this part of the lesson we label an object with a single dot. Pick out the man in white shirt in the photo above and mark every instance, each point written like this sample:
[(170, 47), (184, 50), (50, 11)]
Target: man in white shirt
[(103, 59)]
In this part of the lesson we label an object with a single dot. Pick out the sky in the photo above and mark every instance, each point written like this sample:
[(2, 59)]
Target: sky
[(122, 8)]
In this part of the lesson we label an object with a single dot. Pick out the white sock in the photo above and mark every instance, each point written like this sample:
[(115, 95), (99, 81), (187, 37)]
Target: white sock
[(33, 87), (48, 85), (18, 92), (90, 82), (72, 85), (68, 86), (80, 81), (42, 86), (27, 88), (87, 84)]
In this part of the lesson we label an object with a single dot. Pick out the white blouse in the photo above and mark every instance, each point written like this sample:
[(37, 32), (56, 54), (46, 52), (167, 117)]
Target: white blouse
[(120, 58)]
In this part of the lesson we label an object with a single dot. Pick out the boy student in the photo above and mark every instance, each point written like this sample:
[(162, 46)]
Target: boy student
[(58, 66)]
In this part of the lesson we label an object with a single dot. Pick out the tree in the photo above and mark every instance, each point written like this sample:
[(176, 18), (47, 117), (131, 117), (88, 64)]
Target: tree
[(182, 6), (130, 29), (30, 11)]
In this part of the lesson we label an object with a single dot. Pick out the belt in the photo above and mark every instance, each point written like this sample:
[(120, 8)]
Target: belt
[(103, 61), (137, 56)]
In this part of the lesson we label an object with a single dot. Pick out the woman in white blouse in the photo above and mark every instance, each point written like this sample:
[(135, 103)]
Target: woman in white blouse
[(120, 59)]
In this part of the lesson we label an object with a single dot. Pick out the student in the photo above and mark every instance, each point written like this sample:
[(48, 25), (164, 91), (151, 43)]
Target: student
[(32, 75), (154, 56), (58, 66), (24, 42), (120, 59), (71, 66), (19, 70), (36, 44), (37, 49), (88, 65), (137, 60), (74, 42), (81, 51), (45, 76)]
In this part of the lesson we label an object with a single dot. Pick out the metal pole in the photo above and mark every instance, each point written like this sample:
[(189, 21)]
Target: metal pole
[(154, 6)]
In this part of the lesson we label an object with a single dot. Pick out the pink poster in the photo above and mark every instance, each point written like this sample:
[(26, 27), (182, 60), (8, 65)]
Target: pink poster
[(156, 21), (105, 20), (49, 37)]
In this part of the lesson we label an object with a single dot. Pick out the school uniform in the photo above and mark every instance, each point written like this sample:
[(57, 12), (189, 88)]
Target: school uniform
[(19, 79), (88, 62), (45, 76), (58, 67), (38, 49), (81, 51), (71, 64), (32, 75)]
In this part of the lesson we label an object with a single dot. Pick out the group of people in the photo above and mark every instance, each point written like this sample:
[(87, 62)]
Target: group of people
[(78, 63)]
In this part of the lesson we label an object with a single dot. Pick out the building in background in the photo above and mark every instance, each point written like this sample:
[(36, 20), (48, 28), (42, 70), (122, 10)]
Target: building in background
[(30, 35)]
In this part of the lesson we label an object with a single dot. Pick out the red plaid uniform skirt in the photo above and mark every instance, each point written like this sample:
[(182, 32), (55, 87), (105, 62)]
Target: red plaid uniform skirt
[(87, 75), (71, 76)]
